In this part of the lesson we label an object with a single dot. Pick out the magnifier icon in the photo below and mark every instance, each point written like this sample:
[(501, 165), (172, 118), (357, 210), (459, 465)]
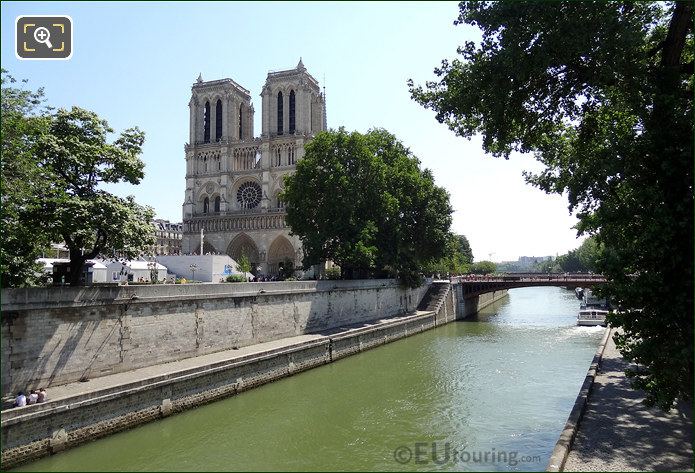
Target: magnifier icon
[(42, 35)]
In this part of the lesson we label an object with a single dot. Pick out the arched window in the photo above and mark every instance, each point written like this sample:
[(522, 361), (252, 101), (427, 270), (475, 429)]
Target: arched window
[(218, 120), (278, 156), (217, 204), (206, 205), (241, 121), (292, 120), (280, 124), (206, 123)]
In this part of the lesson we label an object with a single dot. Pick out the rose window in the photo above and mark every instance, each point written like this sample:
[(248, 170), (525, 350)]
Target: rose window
[(249, 195)]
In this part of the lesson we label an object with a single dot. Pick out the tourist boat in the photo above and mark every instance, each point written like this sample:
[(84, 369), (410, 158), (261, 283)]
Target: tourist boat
[(592, 316)]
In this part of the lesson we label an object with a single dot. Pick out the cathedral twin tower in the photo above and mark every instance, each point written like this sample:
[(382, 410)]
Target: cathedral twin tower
[(233, 178)]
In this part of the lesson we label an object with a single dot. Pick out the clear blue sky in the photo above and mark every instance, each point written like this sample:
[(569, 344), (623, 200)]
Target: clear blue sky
[(134, 63)]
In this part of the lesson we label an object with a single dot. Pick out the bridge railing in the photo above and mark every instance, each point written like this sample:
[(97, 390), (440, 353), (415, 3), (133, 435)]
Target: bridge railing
[(528, 277)]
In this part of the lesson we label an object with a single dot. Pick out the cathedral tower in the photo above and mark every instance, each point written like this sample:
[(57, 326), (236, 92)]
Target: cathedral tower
[(233, 178)]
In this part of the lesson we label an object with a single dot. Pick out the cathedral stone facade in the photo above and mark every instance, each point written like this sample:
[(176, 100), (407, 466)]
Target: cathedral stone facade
[(233, 177)]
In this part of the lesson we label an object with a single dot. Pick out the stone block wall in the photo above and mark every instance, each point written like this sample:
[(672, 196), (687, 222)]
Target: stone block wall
[(53, 336)]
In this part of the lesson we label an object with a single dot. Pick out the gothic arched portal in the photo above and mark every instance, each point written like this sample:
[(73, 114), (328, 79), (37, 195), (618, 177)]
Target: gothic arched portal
[(242, 244), (281, 251)]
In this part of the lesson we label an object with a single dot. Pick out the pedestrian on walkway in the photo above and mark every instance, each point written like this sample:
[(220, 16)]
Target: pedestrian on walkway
[(21, 400)]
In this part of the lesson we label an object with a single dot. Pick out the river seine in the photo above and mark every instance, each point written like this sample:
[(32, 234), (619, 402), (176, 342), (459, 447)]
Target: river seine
[(490, 394)]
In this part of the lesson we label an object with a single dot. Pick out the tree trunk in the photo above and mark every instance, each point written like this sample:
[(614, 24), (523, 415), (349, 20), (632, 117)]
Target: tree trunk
[(77, 260)]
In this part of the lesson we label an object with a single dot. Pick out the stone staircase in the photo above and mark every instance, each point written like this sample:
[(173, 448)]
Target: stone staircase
[(435, 297)]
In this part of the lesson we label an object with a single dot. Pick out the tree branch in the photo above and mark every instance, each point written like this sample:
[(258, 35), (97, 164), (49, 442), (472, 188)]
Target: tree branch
[(678, 28)]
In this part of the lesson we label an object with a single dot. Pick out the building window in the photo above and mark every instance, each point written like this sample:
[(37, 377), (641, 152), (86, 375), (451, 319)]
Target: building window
[(278, 156), (241, 121), (280, 203), (292, 120), (249, 195), (206, 123), (280, 124), (217, 203), (218, 120), (290, 156), (206, 205)]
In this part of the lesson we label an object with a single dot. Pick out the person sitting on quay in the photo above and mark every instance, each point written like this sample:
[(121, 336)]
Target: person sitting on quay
[(33, 397), (41, 395), (21, 400)]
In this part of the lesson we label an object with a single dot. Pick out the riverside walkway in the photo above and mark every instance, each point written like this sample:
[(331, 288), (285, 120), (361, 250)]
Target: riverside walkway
[(619, 433)]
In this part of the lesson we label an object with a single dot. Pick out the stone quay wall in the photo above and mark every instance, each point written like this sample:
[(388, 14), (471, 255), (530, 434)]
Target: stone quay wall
[(53, 336), (467, 307), (29, 434)]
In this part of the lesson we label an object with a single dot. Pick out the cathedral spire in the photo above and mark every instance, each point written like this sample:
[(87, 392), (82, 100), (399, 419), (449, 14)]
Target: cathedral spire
[(200, 78), (300, 66)]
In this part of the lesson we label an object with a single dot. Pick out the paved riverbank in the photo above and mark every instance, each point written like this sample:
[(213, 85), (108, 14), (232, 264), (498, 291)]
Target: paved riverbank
[(619, 433)]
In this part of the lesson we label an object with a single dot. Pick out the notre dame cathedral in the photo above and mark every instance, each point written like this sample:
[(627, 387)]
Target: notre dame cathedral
[(233, 178)]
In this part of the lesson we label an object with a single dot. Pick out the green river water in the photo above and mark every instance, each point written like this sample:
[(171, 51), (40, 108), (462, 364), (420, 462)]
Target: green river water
[(490, 394)]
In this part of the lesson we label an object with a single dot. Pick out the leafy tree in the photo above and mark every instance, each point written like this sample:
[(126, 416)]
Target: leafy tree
[(363, 202), (23, 183), (76, 156), (590, 253), (457, 258), (483, 267), (601, 93), (244, 264), (464, 249)]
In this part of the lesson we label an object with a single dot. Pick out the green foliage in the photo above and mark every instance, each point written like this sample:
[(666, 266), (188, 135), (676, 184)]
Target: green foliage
[(91, 221), (584, 259), (464, 250), (601, 93), (52, 166), (483, 267), (244, 265), (363, 202), (235, 278), (457, 258), (332, 273), (22, 185)]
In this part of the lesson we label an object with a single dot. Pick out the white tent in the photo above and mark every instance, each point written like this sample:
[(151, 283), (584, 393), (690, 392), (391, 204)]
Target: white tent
[(94, 270), (134, 271)]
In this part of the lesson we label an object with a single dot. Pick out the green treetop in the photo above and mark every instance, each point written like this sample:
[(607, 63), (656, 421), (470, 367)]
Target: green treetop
[(52, 167), (363, 202)]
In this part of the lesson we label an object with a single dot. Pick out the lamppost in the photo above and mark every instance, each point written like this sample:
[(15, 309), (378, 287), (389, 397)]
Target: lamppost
[(193, 267)]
